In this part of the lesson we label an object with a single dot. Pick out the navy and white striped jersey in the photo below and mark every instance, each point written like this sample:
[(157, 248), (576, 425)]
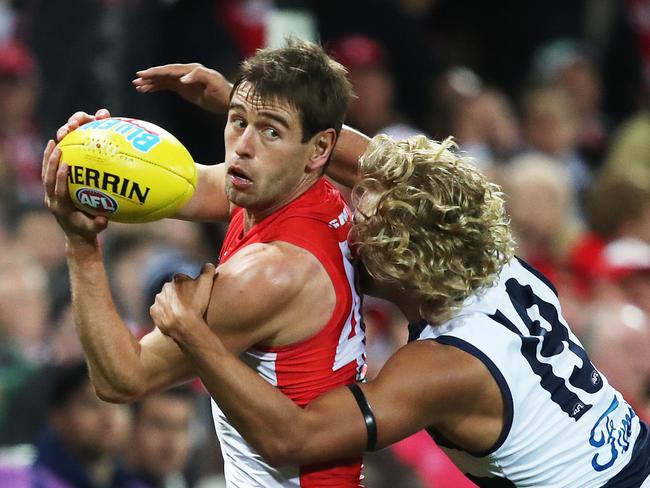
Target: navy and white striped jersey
[(566, 426)]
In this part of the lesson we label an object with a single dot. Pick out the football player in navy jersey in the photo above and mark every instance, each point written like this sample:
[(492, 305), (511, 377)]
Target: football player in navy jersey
[(492, 372)]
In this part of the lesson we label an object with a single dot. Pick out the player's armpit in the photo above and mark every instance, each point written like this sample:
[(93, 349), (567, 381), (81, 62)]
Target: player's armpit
[(209, 201)]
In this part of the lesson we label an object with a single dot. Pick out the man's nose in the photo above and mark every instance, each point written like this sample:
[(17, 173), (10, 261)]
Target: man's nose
[(245, 147)]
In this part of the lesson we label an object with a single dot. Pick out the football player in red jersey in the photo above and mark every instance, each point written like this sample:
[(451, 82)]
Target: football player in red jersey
[(285, 297)]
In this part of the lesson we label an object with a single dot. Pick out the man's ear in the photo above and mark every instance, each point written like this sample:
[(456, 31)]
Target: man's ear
[(322, 147)]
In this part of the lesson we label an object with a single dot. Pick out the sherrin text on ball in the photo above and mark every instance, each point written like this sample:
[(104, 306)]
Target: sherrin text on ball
[(127, 169)]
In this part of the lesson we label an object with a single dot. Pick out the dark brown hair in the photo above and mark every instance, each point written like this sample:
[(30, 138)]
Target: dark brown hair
[(302, 74)]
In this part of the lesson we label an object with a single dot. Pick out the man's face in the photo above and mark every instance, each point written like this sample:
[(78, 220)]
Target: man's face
[(161, 435), (265, 158), (91, 427)]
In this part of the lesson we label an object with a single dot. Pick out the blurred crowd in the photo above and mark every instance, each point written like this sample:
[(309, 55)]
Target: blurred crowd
[(551, 99)]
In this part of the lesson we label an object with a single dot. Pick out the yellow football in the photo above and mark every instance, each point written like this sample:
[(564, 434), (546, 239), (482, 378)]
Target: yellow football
[(127, 169)]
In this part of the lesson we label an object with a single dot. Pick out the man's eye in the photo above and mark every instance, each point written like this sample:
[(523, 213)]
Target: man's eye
[(271, 133), (239, 123)]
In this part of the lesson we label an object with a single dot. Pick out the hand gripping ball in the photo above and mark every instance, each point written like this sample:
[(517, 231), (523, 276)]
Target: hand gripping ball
[(128, 170)]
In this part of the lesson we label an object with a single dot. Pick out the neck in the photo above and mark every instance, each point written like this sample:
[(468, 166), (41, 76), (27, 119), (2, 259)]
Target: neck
[(255, 216), (402, 299), (409, 308)]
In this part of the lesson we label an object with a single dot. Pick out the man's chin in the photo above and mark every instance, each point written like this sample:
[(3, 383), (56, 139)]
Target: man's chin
[(248, 201), (238, 198)]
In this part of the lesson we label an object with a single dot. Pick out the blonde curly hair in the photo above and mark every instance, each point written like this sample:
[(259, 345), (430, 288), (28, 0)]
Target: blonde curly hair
[(436, 228)]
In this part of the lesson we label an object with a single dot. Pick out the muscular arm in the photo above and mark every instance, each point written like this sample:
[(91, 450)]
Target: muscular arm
[(344, 167), (209, 201), (209, 90), (121, 367), (418, 387)]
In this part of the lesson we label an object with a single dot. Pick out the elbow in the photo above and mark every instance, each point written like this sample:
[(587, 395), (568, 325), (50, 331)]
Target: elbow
[(125, 392), (283, 451), (114, 396)]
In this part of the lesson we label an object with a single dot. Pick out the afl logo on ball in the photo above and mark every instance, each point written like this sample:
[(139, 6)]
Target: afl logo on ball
[(96, 200)]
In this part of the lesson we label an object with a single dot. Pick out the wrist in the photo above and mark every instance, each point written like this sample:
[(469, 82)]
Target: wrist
[(196, 336), (77, 246)]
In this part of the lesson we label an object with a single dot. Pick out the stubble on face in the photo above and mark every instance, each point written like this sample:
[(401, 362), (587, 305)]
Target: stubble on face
[(265, 155)]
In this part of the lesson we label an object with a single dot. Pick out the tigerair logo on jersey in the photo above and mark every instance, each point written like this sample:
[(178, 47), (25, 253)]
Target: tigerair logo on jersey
[(140, 138), (108, 182)]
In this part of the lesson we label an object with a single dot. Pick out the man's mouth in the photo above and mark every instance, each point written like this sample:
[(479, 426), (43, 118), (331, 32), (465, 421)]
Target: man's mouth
[(238, 177)]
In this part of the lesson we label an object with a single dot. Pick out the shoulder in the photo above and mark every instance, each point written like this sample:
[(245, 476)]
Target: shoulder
[(278, 268), (263, 289)]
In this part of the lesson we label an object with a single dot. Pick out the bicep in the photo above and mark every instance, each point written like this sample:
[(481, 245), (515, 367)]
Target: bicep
[(163, 363), (405, 396), (252, 293), (209, 201), (334, 425)]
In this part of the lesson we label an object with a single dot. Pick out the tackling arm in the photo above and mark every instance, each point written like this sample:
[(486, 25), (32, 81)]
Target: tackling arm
[(209, 90), (403, 399), (344, 168)]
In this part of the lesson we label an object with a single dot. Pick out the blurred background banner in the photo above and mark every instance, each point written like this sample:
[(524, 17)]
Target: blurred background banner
[(551, 99)]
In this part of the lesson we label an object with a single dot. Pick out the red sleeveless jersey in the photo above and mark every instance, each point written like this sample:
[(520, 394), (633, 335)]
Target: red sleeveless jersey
[(317, 221)]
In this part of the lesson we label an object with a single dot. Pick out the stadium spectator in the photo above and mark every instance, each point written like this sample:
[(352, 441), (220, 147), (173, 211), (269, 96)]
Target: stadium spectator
[(81, 444), (19, 139), (566, 64), (550, 125), (539, 199), (620, 330), (161, 439), (374, 110)]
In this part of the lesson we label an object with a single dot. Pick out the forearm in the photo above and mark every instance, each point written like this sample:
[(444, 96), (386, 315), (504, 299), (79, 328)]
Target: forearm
[(111, 350), (344, 167), (249, 402), (209, 202), (282, 432)]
